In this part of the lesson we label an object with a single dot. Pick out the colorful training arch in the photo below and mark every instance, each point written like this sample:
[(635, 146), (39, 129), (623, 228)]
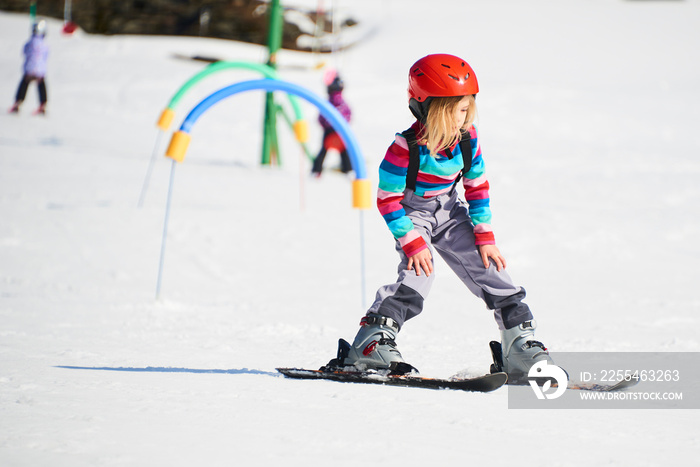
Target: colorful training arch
[(361, 186), (181, 138)]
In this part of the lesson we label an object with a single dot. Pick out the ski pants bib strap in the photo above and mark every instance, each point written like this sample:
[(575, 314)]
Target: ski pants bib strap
[(413, 158)]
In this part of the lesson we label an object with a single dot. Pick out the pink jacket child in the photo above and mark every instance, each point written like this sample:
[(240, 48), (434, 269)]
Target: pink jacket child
[(331, 139)]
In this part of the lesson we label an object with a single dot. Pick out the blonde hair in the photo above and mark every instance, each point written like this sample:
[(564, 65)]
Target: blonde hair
[(439, 134)]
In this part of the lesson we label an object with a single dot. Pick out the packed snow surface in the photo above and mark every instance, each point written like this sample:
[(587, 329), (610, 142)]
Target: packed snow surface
[(588, 119)]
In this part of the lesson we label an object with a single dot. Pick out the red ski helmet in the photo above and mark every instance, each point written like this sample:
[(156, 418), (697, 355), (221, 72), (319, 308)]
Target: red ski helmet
[(438, 75)]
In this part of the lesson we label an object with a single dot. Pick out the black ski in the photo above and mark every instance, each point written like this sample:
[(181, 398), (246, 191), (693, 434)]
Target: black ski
[(484, 383)]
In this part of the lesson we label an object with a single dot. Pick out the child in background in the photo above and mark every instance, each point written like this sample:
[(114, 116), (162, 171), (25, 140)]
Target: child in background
[(331, 139), (420, 204), (36, 52)]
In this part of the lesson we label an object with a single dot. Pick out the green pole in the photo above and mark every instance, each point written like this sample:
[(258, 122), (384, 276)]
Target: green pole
[(32, 12), (270, 150)]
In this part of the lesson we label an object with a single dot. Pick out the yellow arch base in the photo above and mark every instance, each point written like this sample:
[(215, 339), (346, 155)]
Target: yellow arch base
[(362, 194), (301, 130), (166, 118), (178, 146)]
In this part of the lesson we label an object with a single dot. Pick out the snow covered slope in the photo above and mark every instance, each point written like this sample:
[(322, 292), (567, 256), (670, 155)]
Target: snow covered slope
[(588, 120)]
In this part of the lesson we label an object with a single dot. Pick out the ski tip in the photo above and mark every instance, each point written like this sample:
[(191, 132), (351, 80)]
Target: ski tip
[(502, 375), (497, 378)]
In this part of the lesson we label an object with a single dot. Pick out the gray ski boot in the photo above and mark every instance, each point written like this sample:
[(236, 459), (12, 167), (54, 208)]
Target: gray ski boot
[(518, 351), (374, 348)]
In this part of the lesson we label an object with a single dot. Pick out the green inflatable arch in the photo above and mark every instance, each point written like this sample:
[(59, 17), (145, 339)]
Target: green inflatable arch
[(267, 71)]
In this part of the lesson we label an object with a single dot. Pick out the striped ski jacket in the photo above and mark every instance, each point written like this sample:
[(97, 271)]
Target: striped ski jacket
[(436, 175)]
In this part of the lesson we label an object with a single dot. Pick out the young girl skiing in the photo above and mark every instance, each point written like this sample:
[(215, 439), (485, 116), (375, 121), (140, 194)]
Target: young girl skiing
[(418, 198)]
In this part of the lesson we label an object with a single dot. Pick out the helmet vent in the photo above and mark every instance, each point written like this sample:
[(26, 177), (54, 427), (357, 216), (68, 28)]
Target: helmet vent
[(453, 77)]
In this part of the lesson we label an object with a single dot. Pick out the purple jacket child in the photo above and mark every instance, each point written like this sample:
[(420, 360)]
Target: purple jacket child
[(36, 53)]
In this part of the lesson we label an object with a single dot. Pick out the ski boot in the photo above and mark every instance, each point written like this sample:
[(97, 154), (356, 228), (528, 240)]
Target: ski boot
[(517, 352), (41, 110), (15, 108), (374, 348)]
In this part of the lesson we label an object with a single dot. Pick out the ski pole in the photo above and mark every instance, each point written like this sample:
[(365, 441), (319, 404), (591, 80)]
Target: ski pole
[(165, 228)]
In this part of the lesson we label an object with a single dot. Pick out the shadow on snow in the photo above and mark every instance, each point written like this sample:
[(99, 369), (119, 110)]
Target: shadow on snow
[(152, 369)]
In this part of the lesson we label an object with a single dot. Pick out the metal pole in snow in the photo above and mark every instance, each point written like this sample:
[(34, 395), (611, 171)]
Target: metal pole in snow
[(67, 11), (362, 258), (165, 229), (144, 188)]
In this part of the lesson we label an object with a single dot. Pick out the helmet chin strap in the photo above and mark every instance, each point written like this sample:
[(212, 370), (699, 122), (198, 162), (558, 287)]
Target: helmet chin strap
[(419, 109)]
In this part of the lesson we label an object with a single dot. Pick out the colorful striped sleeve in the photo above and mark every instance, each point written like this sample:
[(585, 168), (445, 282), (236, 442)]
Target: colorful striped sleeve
[(392, 183), (476, 193)]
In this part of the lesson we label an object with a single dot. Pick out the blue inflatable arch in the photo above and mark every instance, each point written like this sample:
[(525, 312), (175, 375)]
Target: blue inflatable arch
[(178, 145)]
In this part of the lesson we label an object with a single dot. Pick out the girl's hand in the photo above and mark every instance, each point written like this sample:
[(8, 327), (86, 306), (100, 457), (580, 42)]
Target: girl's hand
[(421, 260), (491, 251)]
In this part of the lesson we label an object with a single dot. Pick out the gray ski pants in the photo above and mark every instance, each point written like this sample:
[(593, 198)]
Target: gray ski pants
[(444, 223)]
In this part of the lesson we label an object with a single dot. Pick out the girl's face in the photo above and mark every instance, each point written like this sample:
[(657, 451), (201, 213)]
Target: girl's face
[(460, 113)]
